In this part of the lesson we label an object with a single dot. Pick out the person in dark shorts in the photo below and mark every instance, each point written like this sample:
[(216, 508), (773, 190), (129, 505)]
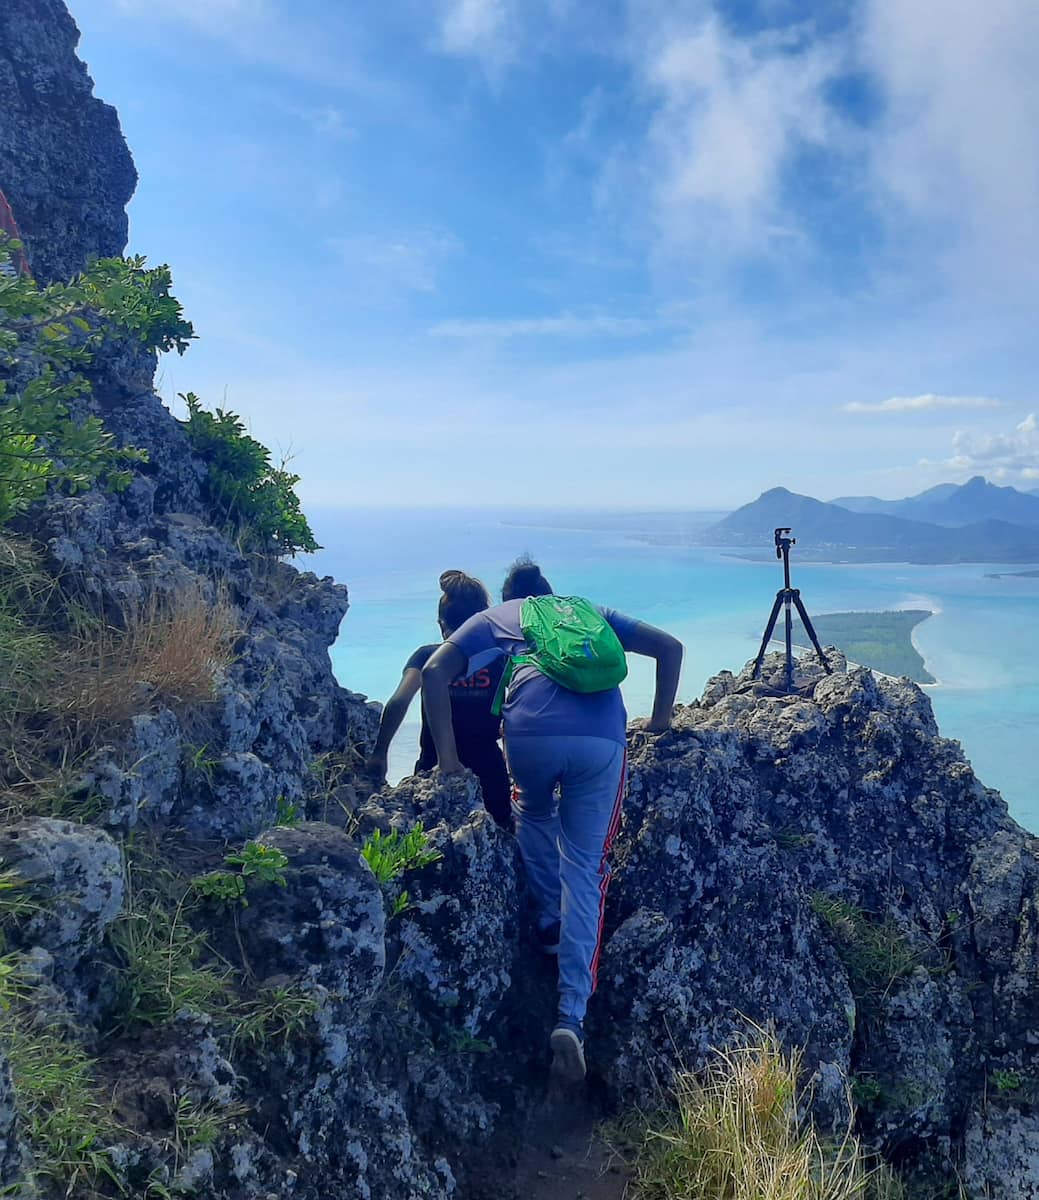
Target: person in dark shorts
[(567, 755), (476, 729)]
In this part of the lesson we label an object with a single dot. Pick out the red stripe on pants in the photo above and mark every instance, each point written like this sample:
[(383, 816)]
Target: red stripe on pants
[(604, 869)]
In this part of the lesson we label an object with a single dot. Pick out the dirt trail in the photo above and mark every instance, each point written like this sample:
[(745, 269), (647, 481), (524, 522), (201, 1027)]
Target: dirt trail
[(559, 1156)]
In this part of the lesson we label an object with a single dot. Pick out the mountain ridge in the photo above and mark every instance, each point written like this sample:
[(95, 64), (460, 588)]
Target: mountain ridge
[(830, 532)]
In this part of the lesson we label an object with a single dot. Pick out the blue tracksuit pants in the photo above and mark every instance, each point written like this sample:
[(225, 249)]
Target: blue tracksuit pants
[(565, 842)]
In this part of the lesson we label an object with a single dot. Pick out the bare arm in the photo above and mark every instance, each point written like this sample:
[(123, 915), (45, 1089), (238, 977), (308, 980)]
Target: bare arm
[(446, 664), (393, 714), (667, 650)]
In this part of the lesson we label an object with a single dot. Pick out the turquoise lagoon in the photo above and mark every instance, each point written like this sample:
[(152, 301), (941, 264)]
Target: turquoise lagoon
[(980, 644)]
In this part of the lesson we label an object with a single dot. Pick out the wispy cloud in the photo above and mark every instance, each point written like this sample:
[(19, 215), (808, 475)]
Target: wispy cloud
[(956, 150), (567, 325), (409, 262), (731, 112), (926, 402)]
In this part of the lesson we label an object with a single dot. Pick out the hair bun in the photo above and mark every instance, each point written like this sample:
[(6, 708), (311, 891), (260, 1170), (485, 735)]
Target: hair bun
[(454, 581)]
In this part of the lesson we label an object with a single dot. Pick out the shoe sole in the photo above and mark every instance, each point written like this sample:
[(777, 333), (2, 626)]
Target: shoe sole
[(567, 1055)]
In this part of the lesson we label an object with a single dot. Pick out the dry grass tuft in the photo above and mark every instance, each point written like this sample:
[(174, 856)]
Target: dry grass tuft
[(172, 649), (736, 1134), (68, 677)]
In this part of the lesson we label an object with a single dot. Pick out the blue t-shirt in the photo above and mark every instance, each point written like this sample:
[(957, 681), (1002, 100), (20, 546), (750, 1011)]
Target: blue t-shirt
[(536, 704)]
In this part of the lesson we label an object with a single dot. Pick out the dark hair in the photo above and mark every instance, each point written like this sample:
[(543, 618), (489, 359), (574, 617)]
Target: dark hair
[(525, 579), (462, 597)]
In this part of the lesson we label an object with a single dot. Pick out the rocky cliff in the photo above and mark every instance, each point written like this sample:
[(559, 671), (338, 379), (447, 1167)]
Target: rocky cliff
[(64, 165), (824, 863)]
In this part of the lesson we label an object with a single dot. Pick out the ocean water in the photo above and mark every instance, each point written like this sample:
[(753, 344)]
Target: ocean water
[(980, 645)]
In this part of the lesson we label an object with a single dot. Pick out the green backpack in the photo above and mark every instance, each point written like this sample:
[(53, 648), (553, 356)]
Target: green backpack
[(571, 642)]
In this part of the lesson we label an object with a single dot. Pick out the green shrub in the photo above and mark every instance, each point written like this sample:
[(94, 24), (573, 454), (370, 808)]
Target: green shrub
[(256, 497), (287, 814), (223, 888), (47, 336), (265, 864), (256, 862), (1006, 1081), (391, 854)]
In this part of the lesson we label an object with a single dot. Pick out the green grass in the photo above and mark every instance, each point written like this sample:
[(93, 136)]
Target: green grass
[(157, 955), (16, 902), (273, 1016), (64, 1115), (875, 952)]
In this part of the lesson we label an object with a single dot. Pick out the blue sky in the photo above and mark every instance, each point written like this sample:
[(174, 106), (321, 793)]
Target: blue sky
[(591, 252)]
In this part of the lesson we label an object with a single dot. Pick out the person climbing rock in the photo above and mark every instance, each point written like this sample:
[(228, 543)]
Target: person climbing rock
[(476, 729), (16, 263), (557, 737)]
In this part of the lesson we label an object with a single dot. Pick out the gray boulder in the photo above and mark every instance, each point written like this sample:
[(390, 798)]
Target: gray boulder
[(72, 878)]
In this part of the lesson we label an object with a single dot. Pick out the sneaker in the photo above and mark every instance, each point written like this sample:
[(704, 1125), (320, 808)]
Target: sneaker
[(567, 1042), (548, 938)]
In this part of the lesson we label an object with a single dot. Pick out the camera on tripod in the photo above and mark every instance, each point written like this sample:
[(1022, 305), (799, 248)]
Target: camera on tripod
[(783, 544), (786, 596)]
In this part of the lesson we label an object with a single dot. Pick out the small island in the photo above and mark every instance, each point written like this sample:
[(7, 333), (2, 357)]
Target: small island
[(880, 640)]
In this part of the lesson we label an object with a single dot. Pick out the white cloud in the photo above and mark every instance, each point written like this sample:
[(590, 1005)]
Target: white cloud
[(408, 262), (1002, 456), (481, 28), (957, 149), (925, 402), (565, 326), (731, 114)]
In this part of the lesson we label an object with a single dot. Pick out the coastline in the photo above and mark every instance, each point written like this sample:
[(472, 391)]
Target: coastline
[(881, 640)]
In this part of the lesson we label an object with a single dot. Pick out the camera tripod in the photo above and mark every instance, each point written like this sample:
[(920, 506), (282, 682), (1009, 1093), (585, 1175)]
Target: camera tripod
[(786, 596)]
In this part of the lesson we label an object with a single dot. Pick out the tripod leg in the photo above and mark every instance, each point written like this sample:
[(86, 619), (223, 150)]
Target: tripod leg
[(768, 635), (789, 648), (810, 630)]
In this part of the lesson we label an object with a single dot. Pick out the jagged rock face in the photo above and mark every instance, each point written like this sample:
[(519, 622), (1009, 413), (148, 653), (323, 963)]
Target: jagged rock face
[(278, 707), (64, 165), (826, 863), (407, 1062)]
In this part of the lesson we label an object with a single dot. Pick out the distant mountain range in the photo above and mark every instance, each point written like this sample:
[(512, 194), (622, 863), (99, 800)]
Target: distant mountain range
[(955, 504), (950, 523)]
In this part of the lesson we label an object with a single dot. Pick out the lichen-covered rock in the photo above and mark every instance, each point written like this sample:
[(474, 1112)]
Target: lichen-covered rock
[(1001, 1155), (459, 934), (72, 877), (326, 924), (64, 165), (407, 1061)]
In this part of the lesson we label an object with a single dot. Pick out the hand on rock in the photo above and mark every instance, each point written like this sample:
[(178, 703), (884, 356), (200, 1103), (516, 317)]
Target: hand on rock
[(376, 768), (648, 725)]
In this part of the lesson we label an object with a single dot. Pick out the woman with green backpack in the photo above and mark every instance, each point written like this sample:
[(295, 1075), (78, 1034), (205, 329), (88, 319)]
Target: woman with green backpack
[(565, 729)]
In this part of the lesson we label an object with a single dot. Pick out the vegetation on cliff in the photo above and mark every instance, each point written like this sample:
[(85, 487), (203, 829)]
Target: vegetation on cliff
[(881, 640)]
